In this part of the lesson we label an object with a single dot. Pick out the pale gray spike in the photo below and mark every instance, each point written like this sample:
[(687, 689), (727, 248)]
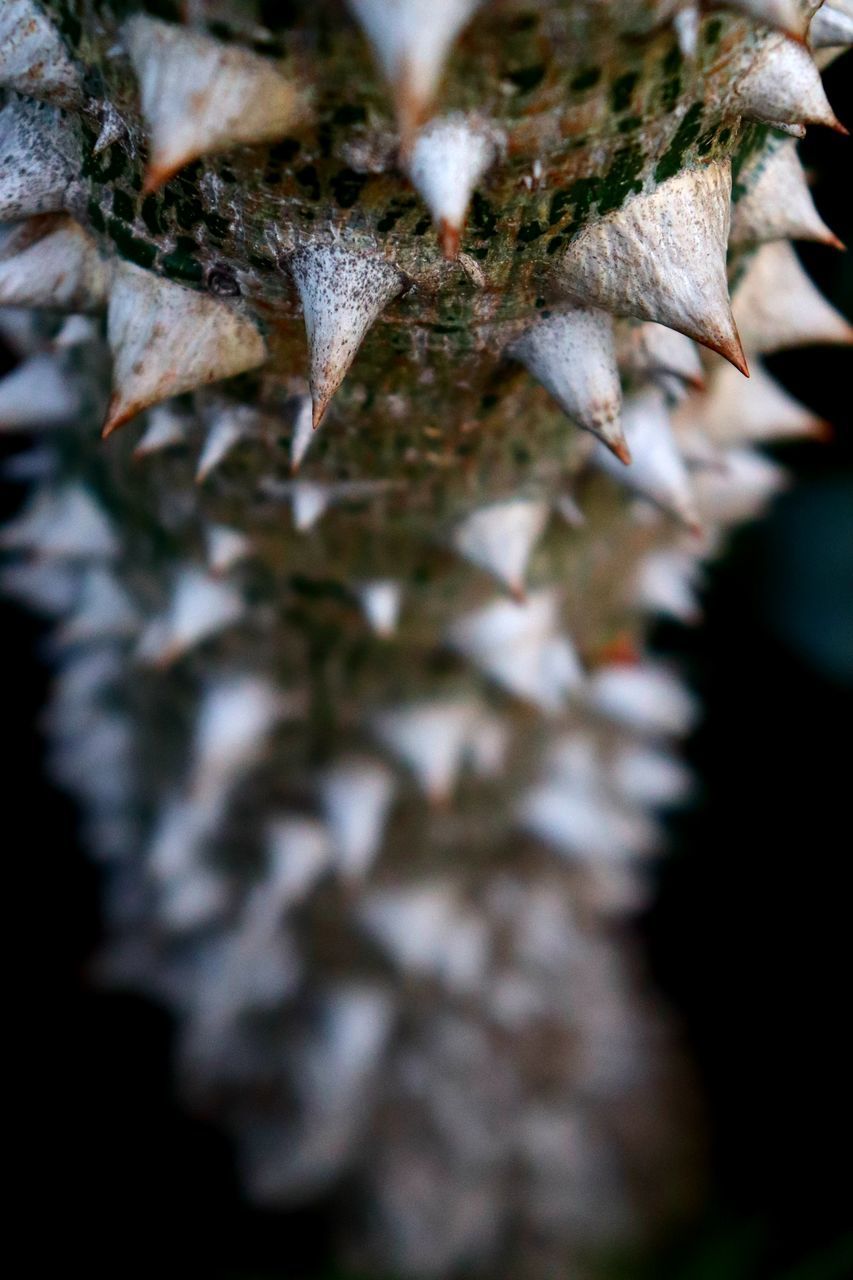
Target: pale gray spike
[(742, 489), (53, 262), (44, 586), (342, 294), (200, 95), (411, 40), (380, 600), (303, 433), (500, 538), (657, 471), (430, 738), (777, 203), (39, 159), (650, 350), (686, 25), (783, 85), (832, 25), (226, 547), (356, 795), (76, 331), (38, 395), (167, 339), (790, 16), (200, 607), (731, 413), (777, 305), (449, 157), (308, 502), (103, 611), (164, 429), (573, 354), (662, 257), (228, 428), (33, 58), (646, 697), (521, 648), (586, 825), (62, 524)]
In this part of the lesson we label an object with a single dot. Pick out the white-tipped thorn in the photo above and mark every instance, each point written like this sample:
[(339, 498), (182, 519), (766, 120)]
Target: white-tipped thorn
[(200, 96), (63, 524), (500, 539), (38, 395), (662, 257), (777, 204), (76, 331), (573, 355), (53, 262), (586, 825), (164, 429), (308, 502), (657, 471), (665, 583), (226, 429), (342, 294), (299, 853), (777, 305), (783, 85), (521, 648), (226, 548), (303, 433), (33, 58), (430, 738), (450, 156), (380, 602), (200, 607), (355, 796), (234, 722), (411, 40), (645, 697), (167, 339), (648, 776)]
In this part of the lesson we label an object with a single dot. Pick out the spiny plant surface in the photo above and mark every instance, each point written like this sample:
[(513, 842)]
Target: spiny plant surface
[(390, 312)]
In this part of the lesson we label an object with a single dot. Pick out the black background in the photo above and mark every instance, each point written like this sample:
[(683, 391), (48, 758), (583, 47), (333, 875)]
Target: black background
[(749, 937)]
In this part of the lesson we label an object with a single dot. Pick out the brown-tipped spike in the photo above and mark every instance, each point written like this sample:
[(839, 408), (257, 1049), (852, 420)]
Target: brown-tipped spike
[(573, 355), (622, 452), (500, 538), (342, 294), (778, 306), (776, 203), (448, 159), (733, 352), (782, 85), (167, 339), (201, 96), (662, 257), (411, 40)]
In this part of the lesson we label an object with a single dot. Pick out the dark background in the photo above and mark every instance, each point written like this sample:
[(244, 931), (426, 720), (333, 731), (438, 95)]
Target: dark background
[(749, 937)]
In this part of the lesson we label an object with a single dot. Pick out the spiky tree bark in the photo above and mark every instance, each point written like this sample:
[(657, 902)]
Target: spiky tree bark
[(351, 677)]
